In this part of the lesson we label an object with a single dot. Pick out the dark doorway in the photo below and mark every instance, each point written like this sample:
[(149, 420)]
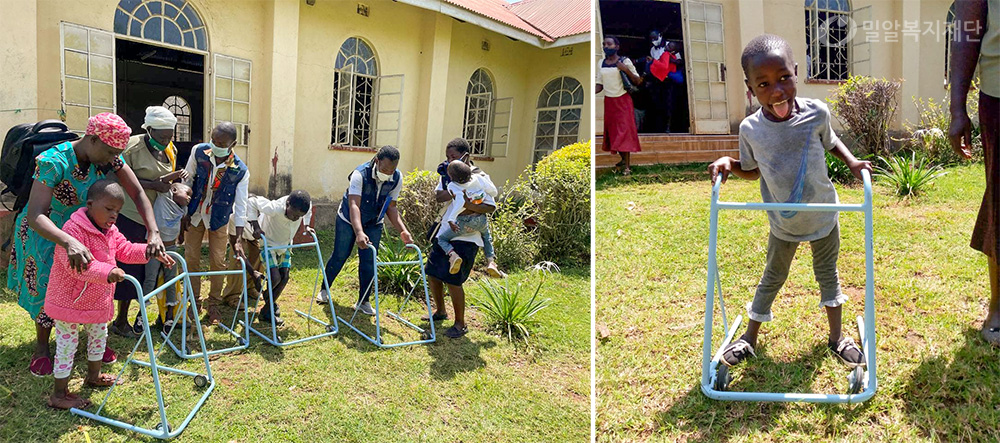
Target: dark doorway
[(631, 21), (151, 75)]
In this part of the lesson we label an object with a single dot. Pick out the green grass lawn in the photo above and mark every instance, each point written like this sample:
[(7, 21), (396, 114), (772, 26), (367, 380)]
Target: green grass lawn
[(342, 388), (938, 380)]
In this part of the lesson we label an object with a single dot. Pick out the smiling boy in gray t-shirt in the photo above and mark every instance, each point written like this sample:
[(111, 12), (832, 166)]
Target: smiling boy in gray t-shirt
[(784, 144)]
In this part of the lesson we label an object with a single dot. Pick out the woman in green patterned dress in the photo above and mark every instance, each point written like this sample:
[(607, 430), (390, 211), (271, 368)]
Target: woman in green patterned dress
[(63, 174)]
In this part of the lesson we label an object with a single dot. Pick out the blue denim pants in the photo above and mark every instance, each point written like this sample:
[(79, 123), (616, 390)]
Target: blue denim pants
[(343, 245), (467, 223)]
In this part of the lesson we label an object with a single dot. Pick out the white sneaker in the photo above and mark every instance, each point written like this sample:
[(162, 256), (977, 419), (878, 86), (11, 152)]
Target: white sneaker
[(365, 308), (323, 296)]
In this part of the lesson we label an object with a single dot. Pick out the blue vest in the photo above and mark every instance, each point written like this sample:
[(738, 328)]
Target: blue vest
[(225, 195), (374, 198)]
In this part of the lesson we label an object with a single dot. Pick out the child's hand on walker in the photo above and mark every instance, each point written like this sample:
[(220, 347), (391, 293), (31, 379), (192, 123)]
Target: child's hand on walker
[(453, 226), (857, 166), (722, 166), (166, 259), (116, 275)]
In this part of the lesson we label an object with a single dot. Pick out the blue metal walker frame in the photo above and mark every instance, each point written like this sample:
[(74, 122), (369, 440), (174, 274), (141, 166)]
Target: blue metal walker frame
[(425, 337), (330, 328), (163, 429), (714, 374), (242, 341)]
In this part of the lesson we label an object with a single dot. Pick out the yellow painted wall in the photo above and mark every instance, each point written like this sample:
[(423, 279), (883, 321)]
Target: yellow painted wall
[(922, 70), (235, 28), (18, 50)]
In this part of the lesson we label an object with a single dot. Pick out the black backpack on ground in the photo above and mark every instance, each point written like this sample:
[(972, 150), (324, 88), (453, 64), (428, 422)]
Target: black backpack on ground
[(22, 144)]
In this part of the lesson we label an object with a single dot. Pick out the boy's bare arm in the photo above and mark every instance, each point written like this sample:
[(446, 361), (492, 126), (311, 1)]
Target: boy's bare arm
[(727, 165), (840, 151)]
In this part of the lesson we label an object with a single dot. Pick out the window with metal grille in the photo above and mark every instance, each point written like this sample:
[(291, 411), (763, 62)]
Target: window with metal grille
[(180, 108), (560, 106), (232, 95), (478, 106), (354, 78), (828, 24)]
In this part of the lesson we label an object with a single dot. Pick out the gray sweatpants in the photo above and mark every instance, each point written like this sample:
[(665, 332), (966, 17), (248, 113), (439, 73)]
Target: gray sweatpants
[(779, 260)]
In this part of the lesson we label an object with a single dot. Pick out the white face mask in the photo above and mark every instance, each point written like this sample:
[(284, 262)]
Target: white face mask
[(219, 151), (656, 42), (381, 176)]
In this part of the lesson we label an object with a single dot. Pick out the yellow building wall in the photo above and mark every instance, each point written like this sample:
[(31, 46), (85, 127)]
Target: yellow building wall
[(404, 41), (18, 51), (920, 64), (235, 28)]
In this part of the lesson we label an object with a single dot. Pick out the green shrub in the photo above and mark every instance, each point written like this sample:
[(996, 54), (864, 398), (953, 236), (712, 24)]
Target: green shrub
[(417, 205), (929, 135), (865, 106), (507, 309), (561, 188), (909, 176), (837, 169), (396, 279), (515, 245)]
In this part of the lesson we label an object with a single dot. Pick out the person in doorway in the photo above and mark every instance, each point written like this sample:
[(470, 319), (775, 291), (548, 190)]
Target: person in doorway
[(370, 197), (220, 182), (152, 157), (620, 134), (979, 41)]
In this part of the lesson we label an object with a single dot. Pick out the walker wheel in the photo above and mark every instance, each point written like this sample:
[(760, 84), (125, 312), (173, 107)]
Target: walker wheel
[(331, 328), (241, 341), (200, 381), (424, 335), (159, 427), (722, 378), (855, 379)]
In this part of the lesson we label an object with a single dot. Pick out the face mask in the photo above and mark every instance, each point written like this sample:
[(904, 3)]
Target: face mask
[(608, 52), (382, 177), (657, 40), (156, 145), (219, 152)]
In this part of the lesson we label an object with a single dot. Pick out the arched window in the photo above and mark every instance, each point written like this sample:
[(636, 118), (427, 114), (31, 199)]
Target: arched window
[(559, 110), (949, 35), (354, 77), (180, 108), (828, 24), (174, 22), (478, 106)]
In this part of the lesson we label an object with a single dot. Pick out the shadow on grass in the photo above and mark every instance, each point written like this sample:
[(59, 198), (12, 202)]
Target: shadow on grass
[(455, 355), (956, 397), (705, 419), (612, 178)]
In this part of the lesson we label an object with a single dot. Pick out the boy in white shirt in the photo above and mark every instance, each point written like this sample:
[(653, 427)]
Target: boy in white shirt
[(278, 220), (465, 187)]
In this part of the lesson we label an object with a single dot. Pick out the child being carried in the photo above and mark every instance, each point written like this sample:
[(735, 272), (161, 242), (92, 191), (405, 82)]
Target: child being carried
[(465, 186)]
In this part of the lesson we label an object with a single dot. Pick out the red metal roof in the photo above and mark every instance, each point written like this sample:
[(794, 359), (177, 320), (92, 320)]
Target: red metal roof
[(547, 19), (557, 18)]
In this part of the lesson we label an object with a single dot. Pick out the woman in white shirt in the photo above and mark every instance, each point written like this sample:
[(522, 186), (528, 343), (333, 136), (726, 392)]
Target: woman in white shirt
[(620, 135)]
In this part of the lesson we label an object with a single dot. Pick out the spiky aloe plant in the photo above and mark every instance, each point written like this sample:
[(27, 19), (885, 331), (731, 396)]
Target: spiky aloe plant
[(909, 176), (510, 310)]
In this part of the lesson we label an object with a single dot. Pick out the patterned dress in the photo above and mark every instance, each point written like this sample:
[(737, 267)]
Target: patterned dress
[(31, 256)]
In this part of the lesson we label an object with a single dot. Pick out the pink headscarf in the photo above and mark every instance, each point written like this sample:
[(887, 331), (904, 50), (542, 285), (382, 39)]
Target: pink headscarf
[(110, 128)]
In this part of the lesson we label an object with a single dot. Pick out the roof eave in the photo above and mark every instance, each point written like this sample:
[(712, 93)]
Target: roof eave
[(568, 40), (468, 16)]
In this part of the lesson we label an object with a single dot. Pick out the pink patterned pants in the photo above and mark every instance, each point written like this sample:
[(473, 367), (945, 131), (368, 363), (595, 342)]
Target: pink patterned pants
[(67, 339)]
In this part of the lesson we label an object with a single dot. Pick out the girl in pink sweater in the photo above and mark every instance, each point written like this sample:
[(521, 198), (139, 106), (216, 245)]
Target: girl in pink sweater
[(84, 300)]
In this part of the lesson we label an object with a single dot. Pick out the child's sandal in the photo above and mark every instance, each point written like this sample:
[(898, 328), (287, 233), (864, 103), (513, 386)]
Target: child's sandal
[(848, 352)]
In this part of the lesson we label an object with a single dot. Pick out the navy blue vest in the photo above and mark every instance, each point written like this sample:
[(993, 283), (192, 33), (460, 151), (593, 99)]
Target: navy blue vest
[(374, 198), (225, 195)]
